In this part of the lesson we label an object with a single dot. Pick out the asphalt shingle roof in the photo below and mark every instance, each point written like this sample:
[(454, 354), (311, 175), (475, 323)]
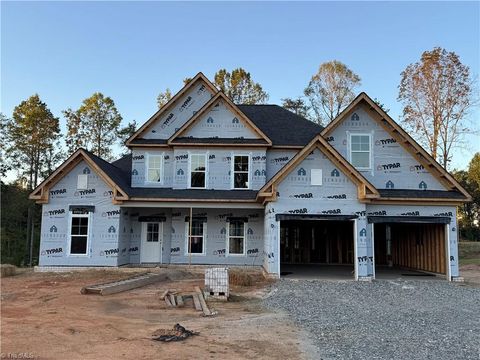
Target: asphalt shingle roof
[(282, 126)]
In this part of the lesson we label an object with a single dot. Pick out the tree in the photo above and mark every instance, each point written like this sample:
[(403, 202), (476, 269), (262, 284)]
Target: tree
[(164, 97), (330, 90), (436, 93), (5, 165), (15, 235), (32, 137), (469, 213), (125, 133), (296, 106), (239, 87), (93, 126)]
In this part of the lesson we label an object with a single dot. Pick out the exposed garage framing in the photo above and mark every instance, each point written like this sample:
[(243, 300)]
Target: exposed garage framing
[(415, 243), (318, 240)]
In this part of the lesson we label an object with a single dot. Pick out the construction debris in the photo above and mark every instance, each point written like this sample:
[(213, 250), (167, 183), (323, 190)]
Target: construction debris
[(174, 299), (178, 333), (123, 285)]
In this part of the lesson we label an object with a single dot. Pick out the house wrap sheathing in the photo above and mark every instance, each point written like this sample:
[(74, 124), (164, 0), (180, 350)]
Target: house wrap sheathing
[(215, 183)]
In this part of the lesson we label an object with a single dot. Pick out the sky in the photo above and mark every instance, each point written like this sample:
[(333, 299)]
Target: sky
[(130, 51)]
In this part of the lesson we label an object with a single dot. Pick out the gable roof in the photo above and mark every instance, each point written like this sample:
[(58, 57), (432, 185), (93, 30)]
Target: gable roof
[(220, 96), (365, 189), (404, 139), (283, 127), (109, 173), (170, 103)]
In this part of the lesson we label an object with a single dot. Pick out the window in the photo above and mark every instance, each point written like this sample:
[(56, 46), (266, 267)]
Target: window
[(197, 170), (153, 232), (240, 171), (236, 237), (195, 236), (360, 150), (79, 232), (154, 172)]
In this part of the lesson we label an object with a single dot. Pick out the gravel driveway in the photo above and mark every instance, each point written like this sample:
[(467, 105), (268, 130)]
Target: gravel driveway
[(384, 319)]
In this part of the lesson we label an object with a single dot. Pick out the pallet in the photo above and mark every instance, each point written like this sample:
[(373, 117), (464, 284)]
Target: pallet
[(123, 285)]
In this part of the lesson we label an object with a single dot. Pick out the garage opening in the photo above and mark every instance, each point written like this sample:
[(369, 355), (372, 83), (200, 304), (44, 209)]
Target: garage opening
[(316, 247), (416, 248)]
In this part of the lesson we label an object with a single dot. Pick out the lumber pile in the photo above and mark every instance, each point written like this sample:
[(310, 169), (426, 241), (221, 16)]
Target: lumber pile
[(123, 285), (175, 299)]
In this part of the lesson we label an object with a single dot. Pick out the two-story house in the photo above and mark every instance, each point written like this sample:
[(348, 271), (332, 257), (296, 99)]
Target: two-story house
[(212, 182)]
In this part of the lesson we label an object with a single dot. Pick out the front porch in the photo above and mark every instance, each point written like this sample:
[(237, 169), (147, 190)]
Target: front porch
[(201, 234)]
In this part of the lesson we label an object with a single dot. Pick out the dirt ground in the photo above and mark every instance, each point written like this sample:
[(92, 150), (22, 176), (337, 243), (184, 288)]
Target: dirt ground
[(471, 274), (44, 316)]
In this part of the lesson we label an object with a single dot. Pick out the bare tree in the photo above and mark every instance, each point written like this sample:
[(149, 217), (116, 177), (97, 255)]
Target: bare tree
[(330, 90), (436, 93)]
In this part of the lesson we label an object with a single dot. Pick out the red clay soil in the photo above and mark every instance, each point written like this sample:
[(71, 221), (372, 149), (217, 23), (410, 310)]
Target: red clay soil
[(44, 316)]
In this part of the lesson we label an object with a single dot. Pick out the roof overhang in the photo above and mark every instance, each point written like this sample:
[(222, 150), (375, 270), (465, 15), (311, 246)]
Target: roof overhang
[(403, 138), (41, 193), (220, 96), (199, 77), (365, 190)]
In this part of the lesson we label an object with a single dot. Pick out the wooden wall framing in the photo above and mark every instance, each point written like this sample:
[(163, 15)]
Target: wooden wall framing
[(414, 246)]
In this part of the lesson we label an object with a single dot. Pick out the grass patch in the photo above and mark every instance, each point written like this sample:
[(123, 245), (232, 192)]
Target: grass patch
[(469, 252)]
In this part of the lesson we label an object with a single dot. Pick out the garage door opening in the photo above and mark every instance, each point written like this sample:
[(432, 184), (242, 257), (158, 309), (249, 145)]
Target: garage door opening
[(317, 249), (409, 249)]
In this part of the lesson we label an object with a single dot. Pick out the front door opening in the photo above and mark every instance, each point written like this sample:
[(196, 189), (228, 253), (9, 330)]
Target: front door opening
[(417, 247), (322, 248)]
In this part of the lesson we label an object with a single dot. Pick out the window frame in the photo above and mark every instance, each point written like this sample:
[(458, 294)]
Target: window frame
[(245, 224), (89, 225), (147, 168), (370, 150), (232, 172), (187, 237), (190, 155)]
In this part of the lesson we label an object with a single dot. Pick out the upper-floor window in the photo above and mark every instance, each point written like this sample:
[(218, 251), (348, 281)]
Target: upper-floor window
[(240, 171), (198, 170), (155, 168), (360, 151)]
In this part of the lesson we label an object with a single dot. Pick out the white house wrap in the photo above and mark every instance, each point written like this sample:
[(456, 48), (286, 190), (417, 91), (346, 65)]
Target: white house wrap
[(210, 182)]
